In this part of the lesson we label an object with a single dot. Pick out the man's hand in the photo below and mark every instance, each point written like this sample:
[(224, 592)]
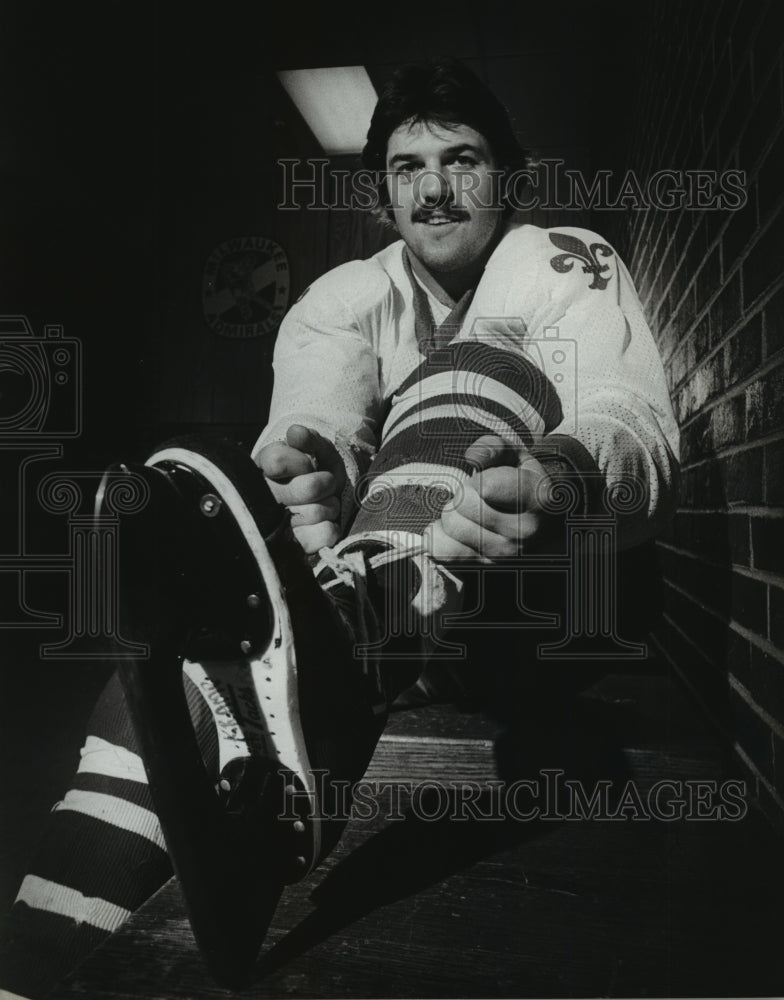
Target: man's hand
[(499, 513), (306, 474)]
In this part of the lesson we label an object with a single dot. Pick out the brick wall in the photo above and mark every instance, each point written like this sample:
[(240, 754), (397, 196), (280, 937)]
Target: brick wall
[(711, 282)]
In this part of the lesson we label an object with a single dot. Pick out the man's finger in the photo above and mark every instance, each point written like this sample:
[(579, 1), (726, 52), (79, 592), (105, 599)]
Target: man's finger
[(447, 549), (313, 513), (310, 488), (490, 450), (515, 521), (313, 537), (324, 452), (478, 537), (508, 489), (280, 462)]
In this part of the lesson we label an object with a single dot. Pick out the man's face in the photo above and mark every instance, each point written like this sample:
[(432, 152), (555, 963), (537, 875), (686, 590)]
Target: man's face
[(442, 193)]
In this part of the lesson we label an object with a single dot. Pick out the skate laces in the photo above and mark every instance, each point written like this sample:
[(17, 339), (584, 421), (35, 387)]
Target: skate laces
[(351, 555), (354, 591), (351, 559)]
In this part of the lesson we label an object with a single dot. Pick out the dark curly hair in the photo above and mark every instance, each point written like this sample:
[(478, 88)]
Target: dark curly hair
[(442, 92)]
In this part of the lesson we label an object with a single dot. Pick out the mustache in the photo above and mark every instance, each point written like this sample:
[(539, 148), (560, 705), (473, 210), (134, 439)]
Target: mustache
[(453, 214)]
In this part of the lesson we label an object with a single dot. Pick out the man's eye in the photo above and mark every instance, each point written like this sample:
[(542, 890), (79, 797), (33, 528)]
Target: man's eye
[(466, 162)]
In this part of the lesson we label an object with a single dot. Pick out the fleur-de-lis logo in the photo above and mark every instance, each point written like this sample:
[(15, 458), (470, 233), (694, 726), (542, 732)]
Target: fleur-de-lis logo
[(576, 250)]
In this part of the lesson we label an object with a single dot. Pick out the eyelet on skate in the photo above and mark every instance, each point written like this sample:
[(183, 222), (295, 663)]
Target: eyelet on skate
[(210, 505)]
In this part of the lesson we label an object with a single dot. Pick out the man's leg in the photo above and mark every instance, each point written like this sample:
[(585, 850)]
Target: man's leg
[(462, 392), (380, 574), (102, 852)]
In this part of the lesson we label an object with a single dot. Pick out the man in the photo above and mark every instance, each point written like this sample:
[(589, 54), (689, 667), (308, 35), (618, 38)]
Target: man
[(430, 404), (346, 346)]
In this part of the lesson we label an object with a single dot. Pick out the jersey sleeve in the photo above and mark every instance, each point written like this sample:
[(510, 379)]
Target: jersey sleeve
[(573, 306), (326, 373)]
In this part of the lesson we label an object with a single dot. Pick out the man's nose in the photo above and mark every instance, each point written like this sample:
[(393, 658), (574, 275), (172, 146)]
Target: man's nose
[(434, 188)]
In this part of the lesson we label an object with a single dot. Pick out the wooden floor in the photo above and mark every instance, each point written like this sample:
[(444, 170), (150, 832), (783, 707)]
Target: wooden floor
[(541, 908)]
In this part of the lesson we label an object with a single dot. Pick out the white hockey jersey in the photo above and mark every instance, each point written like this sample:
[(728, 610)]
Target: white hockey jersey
[(561, 296)]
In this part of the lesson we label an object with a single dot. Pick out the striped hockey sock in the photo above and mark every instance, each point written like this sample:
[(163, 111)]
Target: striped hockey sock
[(462, 391), (102, 854)]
